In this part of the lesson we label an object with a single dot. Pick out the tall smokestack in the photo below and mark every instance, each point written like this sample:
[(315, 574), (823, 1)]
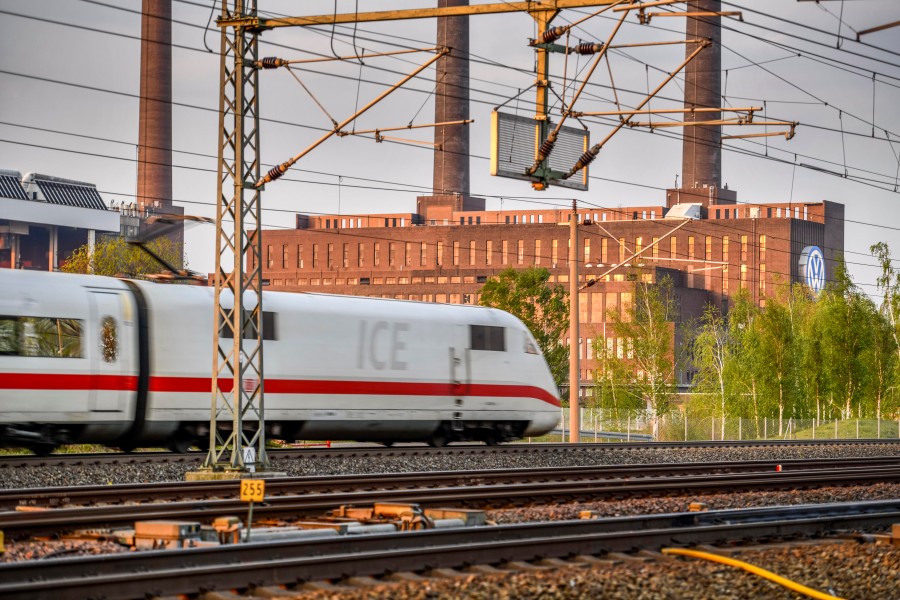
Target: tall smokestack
[(155, 125), (451, 103), (701, 153)]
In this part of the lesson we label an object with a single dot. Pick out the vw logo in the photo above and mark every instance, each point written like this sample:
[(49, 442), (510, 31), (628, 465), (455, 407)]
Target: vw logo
[(812, 268)]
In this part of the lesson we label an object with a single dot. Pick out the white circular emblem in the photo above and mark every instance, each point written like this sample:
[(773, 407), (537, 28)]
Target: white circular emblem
[(812, 268)]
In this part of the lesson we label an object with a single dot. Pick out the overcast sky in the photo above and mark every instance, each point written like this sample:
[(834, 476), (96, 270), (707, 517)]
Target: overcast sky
[(69, 84)]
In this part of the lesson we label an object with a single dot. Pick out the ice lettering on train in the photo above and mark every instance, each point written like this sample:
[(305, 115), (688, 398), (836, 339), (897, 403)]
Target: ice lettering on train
[(381, 345)]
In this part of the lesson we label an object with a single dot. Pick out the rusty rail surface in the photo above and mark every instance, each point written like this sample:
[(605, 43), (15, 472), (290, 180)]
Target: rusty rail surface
[(51, 497), (247, 566), (496, 495)]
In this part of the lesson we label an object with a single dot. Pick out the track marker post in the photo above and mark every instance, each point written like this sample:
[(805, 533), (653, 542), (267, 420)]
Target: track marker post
[(252, 490)]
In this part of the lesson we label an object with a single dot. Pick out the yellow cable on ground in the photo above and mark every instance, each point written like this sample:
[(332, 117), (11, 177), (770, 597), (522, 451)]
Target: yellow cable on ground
[(793, 585)]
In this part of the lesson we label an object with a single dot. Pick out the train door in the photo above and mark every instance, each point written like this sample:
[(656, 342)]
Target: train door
[(460, 374), (108, 389)]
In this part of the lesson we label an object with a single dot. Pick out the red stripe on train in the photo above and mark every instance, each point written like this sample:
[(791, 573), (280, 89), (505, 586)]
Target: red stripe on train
[(30, 381), (55, 381)]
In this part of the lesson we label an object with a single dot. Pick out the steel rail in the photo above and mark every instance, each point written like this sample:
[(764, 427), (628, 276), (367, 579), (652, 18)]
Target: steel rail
[(356, 450), (245, 566), (156, 492), (17, 524)]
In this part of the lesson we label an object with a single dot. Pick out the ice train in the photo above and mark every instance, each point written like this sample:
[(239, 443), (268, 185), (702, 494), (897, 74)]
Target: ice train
[(90, 359)]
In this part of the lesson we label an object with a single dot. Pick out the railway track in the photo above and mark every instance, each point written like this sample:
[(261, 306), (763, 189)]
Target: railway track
[(513, 492), (255, 565), (12, 461), (174, 491)]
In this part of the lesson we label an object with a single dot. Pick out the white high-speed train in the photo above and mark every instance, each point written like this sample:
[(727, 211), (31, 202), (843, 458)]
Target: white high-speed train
[(89, 359)]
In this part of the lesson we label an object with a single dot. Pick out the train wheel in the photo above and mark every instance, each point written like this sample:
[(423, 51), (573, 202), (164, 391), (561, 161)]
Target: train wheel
[(42, 449), (492, 438), (180, 445), (438, 439)]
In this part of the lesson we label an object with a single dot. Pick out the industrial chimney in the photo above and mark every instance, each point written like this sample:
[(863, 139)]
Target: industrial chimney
[(451, 103), (701, 160)]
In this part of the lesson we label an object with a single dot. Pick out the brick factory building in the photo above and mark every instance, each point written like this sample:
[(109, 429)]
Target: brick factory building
[(449, 247)]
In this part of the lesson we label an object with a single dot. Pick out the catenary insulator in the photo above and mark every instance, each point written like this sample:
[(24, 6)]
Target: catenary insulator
[(271, 62), (546, 148), (553, 34), (586, 159), (588, 48)]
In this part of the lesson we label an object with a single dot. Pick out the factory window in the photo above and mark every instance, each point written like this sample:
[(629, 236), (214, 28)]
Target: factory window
[(644, 215), (481, 279), (537, 252), (327, 223), (455, 253), (778, 212), (284, 256), (691, 247), (471, 252), (554, 253), (270, 262), (488, 252), (655, 250), (268, 325), (364, 281), (708, 251), (620, 347), (462, 220), (725, 248), (583, 314), (507, 219), (597, 308), (805, 213), (392, 254), (343, 223), (393, 222), (612, 304), (299, 256), (423, 254), (540, 218), (604, 250), (762, 248), (470, 220), (40, 336), (315, 256), (769, 212), (718, 213), (762, 280), (520, 254), (360, 255), (725, 279), (376, 255), (478, 220), (796, 212), (345, 260), (407, 257), (638, 245), (673, 246), (603, 217), (330, 256), (587, 250), (743, 248), (440, 253), (487, 337), (504, 252), (621, 250), (652, 214)]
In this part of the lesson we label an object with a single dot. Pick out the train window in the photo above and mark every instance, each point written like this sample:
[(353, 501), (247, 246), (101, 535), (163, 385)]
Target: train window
[(109, 339), (487, 337), (250, 329), (530, 347), (40, 336)]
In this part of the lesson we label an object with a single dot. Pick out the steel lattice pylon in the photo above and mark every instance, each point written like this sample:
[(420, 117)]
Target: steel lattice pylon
[(237, 380)]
